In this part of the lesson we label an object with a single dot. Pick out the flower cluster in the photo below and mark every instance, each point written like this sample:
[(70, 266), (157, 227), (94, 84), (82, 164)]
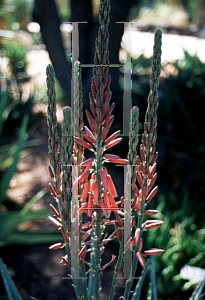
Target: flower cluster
[(87, 179)]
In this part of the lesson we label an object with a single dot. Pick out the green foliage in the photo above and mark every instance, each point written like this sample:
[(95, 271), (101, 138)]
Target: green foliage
[(17, 55), (17, 12), (10, 155), (197, 294), (10, 287), (182, 240), (4, 184)]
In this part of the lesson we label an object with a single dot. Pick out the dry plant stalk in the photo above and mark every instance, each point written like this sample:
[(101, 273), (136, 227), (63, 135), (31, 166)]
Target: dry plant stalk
[(89, 178)]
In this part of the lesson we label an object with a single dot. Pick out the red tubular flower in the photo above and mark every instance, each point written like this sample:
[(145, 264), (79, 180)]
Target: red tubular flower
[(106, 201), (83, 208), (81, 177), (101, 204), (90, 205), (95, 192), (111, 186), (118, 232), (103, 180), (112, 202), (119, 220), (85, 191)]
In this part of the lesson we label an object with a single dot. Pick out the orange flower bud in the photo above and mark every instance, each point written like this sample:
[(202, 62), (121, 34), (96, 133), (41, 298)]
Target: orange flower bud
[(63, 213), (119, 161), (140, 245), (153, 252), (153, 168), (65, 235), (99, 117), (139, 178), (152, 181), (154, 159), (136, 237), (118, 232), (83, 143), (95, 126), (50, 169), (151, 212), (112, 137), (142, 154), (119, 212), (90, 134), (152, 194), (104, 132), (56, 246), (52, 190), (65, 261), (111, 156), (87, 234), (141, 259), (153, 225), (55, 222), (82, 251), (105, 105), (113, 143), (54, 211), (93, 110), (107, 119)]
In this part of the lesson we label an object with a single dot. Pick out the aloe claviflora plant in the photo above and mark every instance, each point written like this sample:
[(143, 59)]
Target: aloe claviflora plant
[(83, 186)]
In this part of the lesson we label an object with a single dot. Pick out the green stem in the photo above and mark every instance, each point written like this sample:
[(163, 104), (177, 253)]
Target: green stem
[(137, 291), (116, 272), (135, 258), (84, 282), (91, 286)]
